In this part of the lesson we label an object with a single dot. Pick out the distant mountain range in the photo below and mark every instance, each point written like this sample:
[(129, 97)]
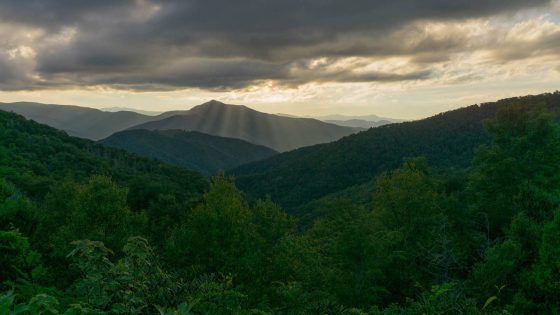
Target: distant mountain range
[(214, 118), (127, 109), (360, 122), (193, 150), (77, 121), (370, 117)]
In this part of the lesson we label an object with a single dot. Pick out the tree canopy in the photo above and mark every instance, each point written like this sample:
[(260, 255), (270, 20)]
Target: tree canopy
[(91, 230)]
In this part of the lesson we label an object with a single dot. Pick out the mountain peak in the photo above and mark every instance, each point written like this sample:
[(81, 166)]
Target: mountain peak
[(213, 102), (217, 105)]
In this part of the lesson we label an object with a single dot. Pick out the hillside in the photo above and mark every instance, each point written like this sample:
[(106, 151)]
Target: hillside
[(236, 121), (192, 150), (214, 118), (34, 157), (81, 224), (446, 140), (77, 121)]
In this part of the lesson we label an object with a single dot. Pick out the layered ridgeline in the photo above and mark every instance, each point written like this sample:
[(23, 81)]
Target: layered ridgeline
[(477, 240), (34, 157), (214, 118), (237, 121), (193, 150), (366, 122), (77, 121), (358, 122), (446, 140)]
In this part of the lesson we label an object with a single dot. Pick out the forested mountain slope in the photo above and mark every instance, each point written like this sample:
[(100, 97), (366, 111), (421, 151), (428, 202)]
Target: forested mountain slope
[(34, 156), (214, 118), (446, 140), (480, 240), (193, 150), (77, 121)]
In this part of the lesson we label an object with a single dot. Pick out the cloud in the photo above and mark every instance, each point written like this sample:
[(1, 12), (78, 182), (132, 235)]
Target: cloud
[(227, 74), (16, 66), (530, 38), (222, 45)]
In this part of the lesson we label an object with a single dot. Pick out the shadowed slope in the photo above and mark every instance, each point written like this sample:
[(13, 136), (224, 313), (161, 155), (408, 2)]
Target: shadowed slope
[(193, 150), (77, 121), (34, 156), (236, 121), (214, 118)]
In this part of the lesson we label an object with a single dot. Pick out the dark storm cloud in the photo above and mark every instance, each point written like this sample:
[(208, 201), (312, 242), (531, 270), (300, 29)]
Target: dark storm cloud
[(221, 44), (53, 14), (545, 45), (12, 73), (222, 74), (7, 71), (258, 28), (210, 74)]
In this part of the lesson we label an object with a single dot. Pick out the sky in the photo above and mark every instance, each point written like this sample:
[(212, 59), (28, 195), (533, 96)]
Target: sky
[(402, 58)]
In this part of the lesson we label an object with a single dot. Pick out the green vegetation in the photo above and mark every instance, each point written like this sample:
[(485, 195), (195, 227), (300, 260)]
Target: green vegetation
[(447, 140), (214, 118), (33, 157), (78, 121), (192, 150), (481, 238)]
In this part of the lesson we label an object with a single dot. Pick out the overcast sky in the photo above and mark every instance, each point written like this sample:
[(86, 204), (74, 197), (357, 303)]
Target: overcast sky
[(398, 58)]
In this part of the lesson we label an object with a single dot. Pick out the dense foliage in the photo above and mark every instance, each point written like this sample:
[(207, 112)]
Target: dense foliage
[(34, 157), (192, 150), (447, 140), (478, 240)]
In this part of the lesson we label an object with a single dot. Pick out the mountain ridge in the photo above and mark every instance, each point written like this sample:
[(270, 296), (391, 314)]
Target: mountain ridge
[(447, 140), (190, 149), (83, 122), (50, 155), (239, 121), (213, 117)]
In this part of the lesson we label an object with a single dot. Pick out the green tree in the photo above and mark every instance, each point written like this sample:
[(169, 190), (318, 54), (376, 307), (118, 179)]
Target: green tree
[(412, 229), (15, 210), (135, 284), (96, 211), (504, 263), (22, 275), (219, 234), (224, 234), (43, 304), (349, 256), (520, 171), (541, 283)]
